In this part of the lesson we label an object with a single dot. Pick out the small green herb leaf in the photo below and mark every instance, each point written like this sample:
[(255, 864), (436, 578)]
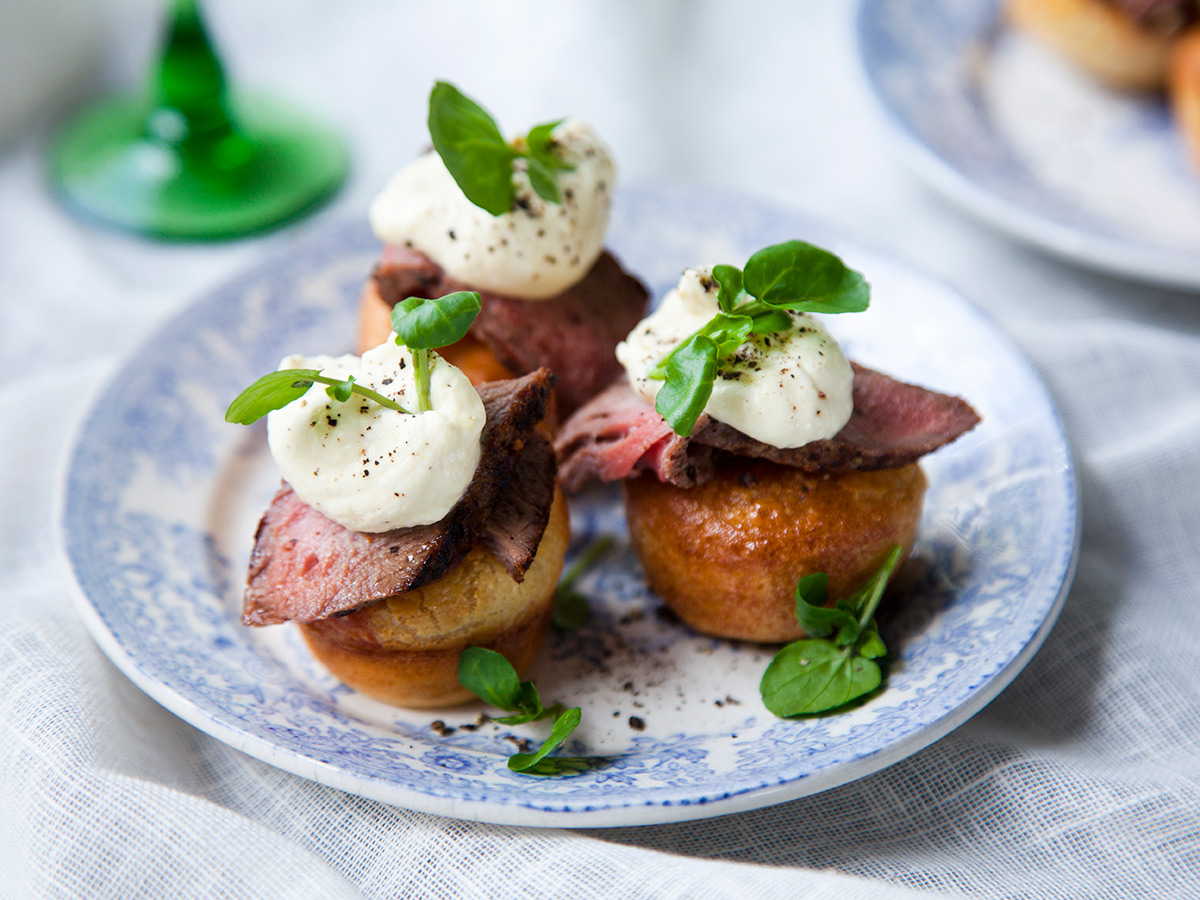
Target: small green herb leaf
[(811, 676), (273, 391), (342, 390), (690, 370), (489, 675), (819, 620), (563, 726), (528, 706), (541, 177), (727, 332), (771, 321), (729, 281), (570, 608), (565, 766), (797, 275), (426, 324), (871, 645), (541, 146), (469, 142)]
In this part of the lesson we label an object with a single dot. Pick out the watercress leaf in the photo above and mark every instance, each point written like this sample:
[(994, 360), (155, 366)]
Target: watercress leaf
[(566, 766), (819, 620), (274, 390), (797, 275), (469, 142), (729, 281), (813, 590), (871, 591), (422, 324), (563, 726), (690, 371), (491, 677), (871, 646), (571, 610), (770, 322), (541, 177), (542, 147), (727, 332), (342, 390), (811, 676)]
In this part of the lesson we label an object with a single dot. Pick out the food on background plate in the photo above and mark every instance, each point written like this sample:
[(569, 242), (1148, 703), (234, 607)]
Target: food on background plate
[(1125, 43), (1142, 45), (419, 515), (751, 451), (522, 223)]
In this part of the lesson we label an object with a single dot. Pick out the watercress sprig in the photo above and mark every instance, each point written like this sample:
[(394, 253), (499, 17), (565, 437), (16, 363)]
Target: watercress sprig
[(571, 607), (420, 324), (469, 142), (835, 664), (794, 276), (491, 677), (276, 390), (423, 324)]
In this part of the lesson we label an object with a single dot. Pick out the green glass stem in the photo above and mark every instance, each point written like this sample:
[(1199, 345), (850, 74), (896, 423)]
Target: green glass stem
[(188, 158)]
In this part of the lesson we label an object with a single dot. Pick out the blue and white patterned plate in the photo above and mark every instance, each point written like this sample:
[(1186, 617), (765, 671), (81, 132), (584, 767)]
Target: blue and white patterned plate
[(1020, 138), (162, 498)]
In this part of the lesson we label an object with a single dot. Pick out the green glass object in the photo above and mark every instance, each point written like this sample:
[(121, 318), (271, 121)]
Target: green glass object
[(190, 160)]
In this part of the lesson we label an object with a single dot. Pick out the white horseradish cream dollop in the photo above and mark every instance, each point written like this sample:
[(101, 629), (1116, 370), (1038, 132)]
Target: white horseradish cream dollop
[(374, 469), (534, 252), (784, 389)]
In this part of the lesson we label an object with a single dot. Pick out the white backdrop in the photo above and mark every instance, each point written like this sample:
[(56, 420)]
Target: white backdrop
[(1080, 780)]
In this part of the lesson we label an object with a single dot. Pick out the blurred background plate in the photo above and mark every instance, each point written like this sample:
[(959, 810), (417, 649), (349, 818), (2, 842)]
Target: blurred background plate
[(161, 500), (1020, 139)]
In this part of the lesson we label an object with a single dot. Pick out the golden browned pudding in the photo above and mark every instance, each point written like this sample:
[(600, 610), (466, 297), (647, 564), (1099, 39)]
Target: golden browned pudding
[(1183, 86), (725, 555), (1100, 38), (404, 649)]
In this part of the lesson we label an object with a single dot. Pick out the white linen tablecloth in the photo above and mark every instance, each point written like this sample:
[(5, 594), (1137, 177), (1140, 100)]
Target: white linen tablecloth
[(1081, 780)]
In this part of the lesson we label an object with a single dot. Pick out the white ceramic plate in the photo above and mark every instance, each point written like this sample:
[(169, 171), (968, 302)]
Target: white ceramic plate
[(1018, 137), (162, 498)]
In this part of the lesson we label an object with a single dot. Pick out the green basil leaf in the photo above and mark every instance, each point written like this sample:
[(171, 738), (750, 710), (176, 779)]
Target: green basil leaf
[(729, 280), (422, 324), (811, 676), (273, 391), (563, 726), (542, 147), (690, 371), (797, 275), (491, 677), (469, 142), (541, 177)]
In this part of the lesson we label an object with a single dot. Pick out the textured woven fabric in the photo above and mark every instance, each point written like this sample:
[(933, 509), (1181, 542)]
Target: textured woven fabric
[(1081, 780)]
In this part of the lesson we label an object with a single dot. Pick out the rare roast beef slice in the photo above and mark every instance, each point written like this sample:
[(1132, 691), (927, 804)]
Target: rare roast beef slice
[(572, 334), (893, 424), (518, 520), (305, 567)]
